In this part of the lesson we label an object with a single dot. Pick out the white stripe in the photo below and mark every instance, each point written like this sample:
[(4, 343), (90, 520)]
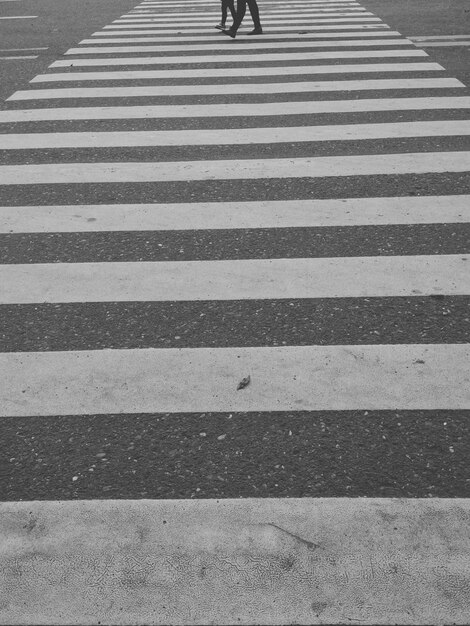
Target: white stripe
[(298, 24), (267, 18), (345, 277), (443, 44), (231, 110), (281, 37), (242, 71), (195, 14), (274, 29), (200, 5), (234, 215), (241, 58), (264, 88), (240, 46), (247, 561), (439, 37), (21, 49), (274, 3), (249, 169), (329, 6), (288, 13), (294, 8), (315, 378), (11, 58), (300, 4), (19, 17), (236, 136), (306, 16)]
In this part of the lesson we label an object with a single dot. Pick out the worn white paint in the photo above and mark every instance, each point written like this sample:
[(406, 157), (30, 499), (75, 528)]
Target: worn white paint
[(236, 136), (234, 110), (241, 58), (221, 45), (329, 10), (218, 89), (234, 215), (297, 378), (440, 37), (273, 29), (302, 23), (236, 279), (443, 44), (21, 49), (291, 17), (283, 70), (273, 3), (209, 39), (246, 169), (15, 58)]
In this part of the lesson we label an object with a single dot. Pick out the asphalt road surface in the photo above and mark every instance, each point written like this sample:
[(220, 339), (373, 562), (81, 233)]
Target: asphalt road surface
[(234, 268)]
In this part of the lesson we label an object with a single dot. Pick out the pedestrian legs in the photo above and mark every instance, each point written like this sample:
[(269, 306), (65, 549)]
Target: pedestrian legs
[(225, 6), (240, 14)]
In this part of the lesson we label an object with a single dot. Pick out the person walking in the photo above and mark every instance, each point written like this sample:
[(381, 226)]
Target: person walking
[(225, 6), (240, 14)]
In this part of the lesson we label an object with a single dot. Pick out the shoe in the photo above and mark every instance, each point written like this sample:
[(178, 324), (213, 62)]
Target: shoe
[(231, 33), (220, 26), (256, 31)]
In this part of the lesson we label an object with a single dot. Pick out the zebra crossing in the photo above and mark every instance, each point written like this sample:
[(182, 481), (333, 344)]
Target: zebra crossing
[(234, 309)]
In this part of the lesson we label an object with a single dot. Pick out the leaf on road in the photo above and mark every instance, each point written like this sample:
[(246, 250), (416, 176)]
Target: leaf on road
[(244, 382)]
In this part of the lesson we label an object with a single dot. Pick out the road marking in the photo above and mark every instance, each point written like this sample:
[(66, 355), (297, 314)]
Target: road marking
[(332, 9), (236, 215), (176, 555), (20, 49), (19, 17), (243, 71), (290, 13), (274, 19), (219, 89), (443, 44), (275, 3), (235, 136), (439, 37), (272, 8), (231, 110), (16, 58), (241, 58), (304, 378), (199, 5), (311, 28), (348, 277), (266, 37), (245, 169), (241, 46), (297, 24)]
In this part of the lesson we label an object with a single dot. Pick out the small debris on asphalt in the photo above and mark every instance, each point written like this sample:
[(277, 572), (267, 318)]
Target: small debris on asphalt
[(244, 382)]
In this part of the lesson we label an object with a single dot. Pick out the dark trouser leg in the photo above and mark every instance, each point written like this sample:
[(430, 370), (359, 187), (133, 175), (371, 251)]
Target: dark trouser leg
[(227, 4), (223, 19), (230, 5), (240, 14), (254, 13)]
